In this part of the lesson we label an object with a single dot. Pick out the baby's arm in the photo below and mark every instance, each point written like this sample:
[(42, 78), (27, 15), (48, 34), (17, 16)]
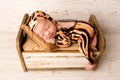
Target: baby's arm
[(62, 39)]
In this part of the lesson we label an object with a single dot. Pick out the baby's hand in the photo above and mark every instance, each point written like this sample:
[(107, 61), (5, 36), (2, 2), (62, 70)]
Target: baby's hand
[(51, 40)]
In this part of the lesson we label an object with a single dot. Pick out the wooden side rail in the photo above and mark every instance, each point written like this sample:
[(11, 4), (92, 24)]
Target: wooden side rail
[(19, 42), (101, 38), (101, 42)]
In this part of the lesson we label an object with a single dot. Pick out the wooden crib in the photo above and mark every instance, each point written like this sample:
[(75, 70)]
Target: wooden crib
[(35, 58)]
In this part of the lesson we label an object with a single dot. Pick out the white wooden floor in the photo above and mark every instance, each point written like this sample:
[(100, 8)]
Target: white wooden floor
[(107, 12)]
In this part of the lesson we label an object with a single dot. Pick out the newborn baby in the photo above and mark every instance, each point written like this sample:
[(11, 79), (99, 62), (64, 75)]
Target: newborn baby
[(65, 34)]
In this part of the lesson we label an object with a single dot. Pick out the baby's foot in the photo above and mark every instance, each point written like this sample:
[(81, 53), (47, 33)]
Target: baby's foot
[(89, 66)]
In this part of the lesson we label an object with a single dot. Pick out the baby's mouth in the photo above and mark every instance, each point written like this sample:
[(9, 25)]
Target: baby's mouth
[(51, 35)]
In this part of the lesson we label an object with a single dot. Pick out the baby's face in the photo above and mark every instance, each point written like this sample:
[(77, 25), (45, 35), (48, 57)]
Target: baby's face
[(45, 29)]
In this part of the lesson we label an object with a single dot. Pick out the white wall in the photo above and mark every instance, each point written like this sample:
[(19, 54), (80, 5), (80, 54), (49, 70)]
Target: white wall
[(107, 11)]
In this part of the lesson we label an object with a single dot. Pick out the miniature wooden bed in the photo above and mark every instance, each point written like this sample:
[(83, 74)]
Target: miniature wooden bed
[(62, 58)]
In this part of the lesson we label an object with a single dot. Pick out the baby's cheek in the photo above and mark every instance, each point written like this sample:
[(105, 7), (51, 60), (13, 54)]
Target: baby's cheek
[(36, 32)]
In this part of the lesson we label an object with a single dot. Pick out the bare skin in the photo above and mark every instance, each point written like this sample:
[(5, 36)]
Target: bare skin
[(89, 66), (47, 30)]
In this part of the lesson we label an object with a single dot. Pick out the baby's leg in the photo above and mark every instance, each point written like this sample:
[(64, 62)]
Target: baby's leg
[(89, 65), (87, 52), (82, 49), (94, 42)]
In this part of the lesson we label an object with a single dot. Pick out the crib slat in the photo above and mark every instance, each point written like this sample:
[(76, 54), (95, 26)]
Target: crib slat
[(54, 60)]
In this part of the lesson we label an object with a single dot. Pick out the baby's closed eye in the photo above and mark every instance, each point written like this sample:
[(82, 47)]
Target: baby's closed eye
[(47, 27)]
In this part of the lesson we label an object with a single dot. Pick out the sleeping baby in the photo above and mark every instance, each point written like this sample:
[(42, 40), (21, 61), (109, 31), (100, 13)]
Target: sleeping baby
[(64, 34)]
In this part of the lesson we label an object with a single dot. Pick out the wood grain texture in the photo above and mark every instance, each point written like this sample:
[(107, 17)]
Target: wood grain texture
[(108, 15)]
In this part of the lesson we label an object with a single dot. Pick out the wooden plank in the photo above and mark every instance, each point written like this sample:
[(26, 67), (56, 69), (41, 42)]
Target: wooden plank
[(54, 60)]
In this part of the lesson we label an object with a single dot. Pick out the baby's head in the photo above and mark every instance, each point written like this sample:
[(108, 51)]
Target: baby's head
[(42, 25), (45, 29)]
